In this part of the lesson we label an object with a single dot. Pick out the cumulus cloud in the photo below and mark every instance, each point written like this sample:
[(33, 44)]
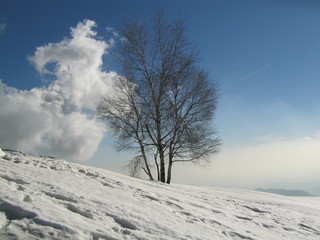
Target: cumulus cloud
[(57, 119), (77, 69)]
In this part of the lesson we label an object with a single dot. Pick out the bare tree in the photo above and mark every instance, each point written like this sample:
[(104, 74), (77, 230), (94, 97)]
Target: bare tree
[(121, 111), (165, 103)]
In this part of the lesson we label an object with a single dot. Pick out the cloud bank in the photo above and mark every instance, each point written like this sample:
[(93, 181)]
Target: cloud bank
[(57, 120), (278, 162)]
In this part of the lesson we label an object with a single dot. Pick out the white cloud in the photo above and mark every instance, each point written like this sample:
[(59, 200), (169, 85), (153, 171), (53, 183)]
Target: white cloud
[(78, 66), (57, 120), (112, 31), (3, 25)]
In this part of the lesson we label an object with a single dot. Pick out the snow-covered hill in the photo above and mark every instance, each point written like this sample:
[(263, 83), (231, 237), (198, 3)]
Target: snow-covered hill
[(46, 198)]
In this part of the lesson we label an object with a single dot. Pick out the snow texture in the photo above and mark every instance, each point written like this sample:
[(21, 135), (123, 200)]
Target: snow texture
[(1, 153), (48, 198)]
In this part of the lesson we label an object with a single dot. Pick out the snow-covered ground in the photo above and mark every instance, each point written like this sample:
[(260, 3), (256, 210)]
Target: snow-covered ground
[(46, 198)]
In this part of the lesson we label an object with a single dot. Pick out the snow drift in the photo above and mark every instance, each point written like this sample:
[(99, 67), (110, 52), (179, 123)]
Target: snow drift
[(47, 198)]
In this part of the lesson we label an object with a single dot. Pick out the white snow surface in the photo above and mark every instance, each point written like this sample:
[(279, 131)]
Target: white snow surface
[(1, 153), (47, 198)]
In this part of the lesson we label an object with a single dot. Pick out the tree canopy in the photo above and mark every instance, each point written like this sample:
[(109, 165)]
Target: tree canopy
[(163, 103)]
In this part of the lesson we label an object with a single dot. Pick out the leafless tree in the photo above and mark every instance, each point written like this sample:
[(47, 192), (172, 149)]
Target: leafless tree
[(121, 110), (164, 104)]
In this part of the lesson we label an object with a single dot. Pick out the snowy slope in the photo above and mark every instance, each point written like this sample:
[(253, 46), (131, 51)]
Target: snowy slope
[(45, 198)]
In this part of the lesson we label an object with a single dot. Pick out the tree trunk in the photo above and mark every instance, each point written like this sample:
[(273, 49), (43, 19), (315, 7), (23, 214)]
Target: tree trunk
[(169, 172), (162, 166), (145, 161), (157, 165), (170, 164), (147, 167)]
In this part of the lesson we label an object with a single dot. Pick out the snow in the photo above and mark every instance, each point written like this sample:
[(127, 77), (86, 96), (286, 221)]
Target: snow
[(1, 153), (47, 198)]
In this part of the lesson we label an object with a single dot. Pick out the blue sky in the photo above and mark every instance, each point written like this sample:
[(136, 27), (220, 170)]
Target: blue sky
[(265, 55)]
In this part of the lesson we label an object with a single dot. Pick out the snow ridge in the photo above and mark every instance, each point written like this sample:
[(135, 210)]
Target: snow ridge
[(48, 198)]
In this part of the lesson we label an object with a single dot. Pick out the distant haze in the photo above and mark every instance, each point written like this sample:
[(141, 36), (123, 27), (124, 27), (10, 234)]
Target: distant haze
[(285, 192)]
